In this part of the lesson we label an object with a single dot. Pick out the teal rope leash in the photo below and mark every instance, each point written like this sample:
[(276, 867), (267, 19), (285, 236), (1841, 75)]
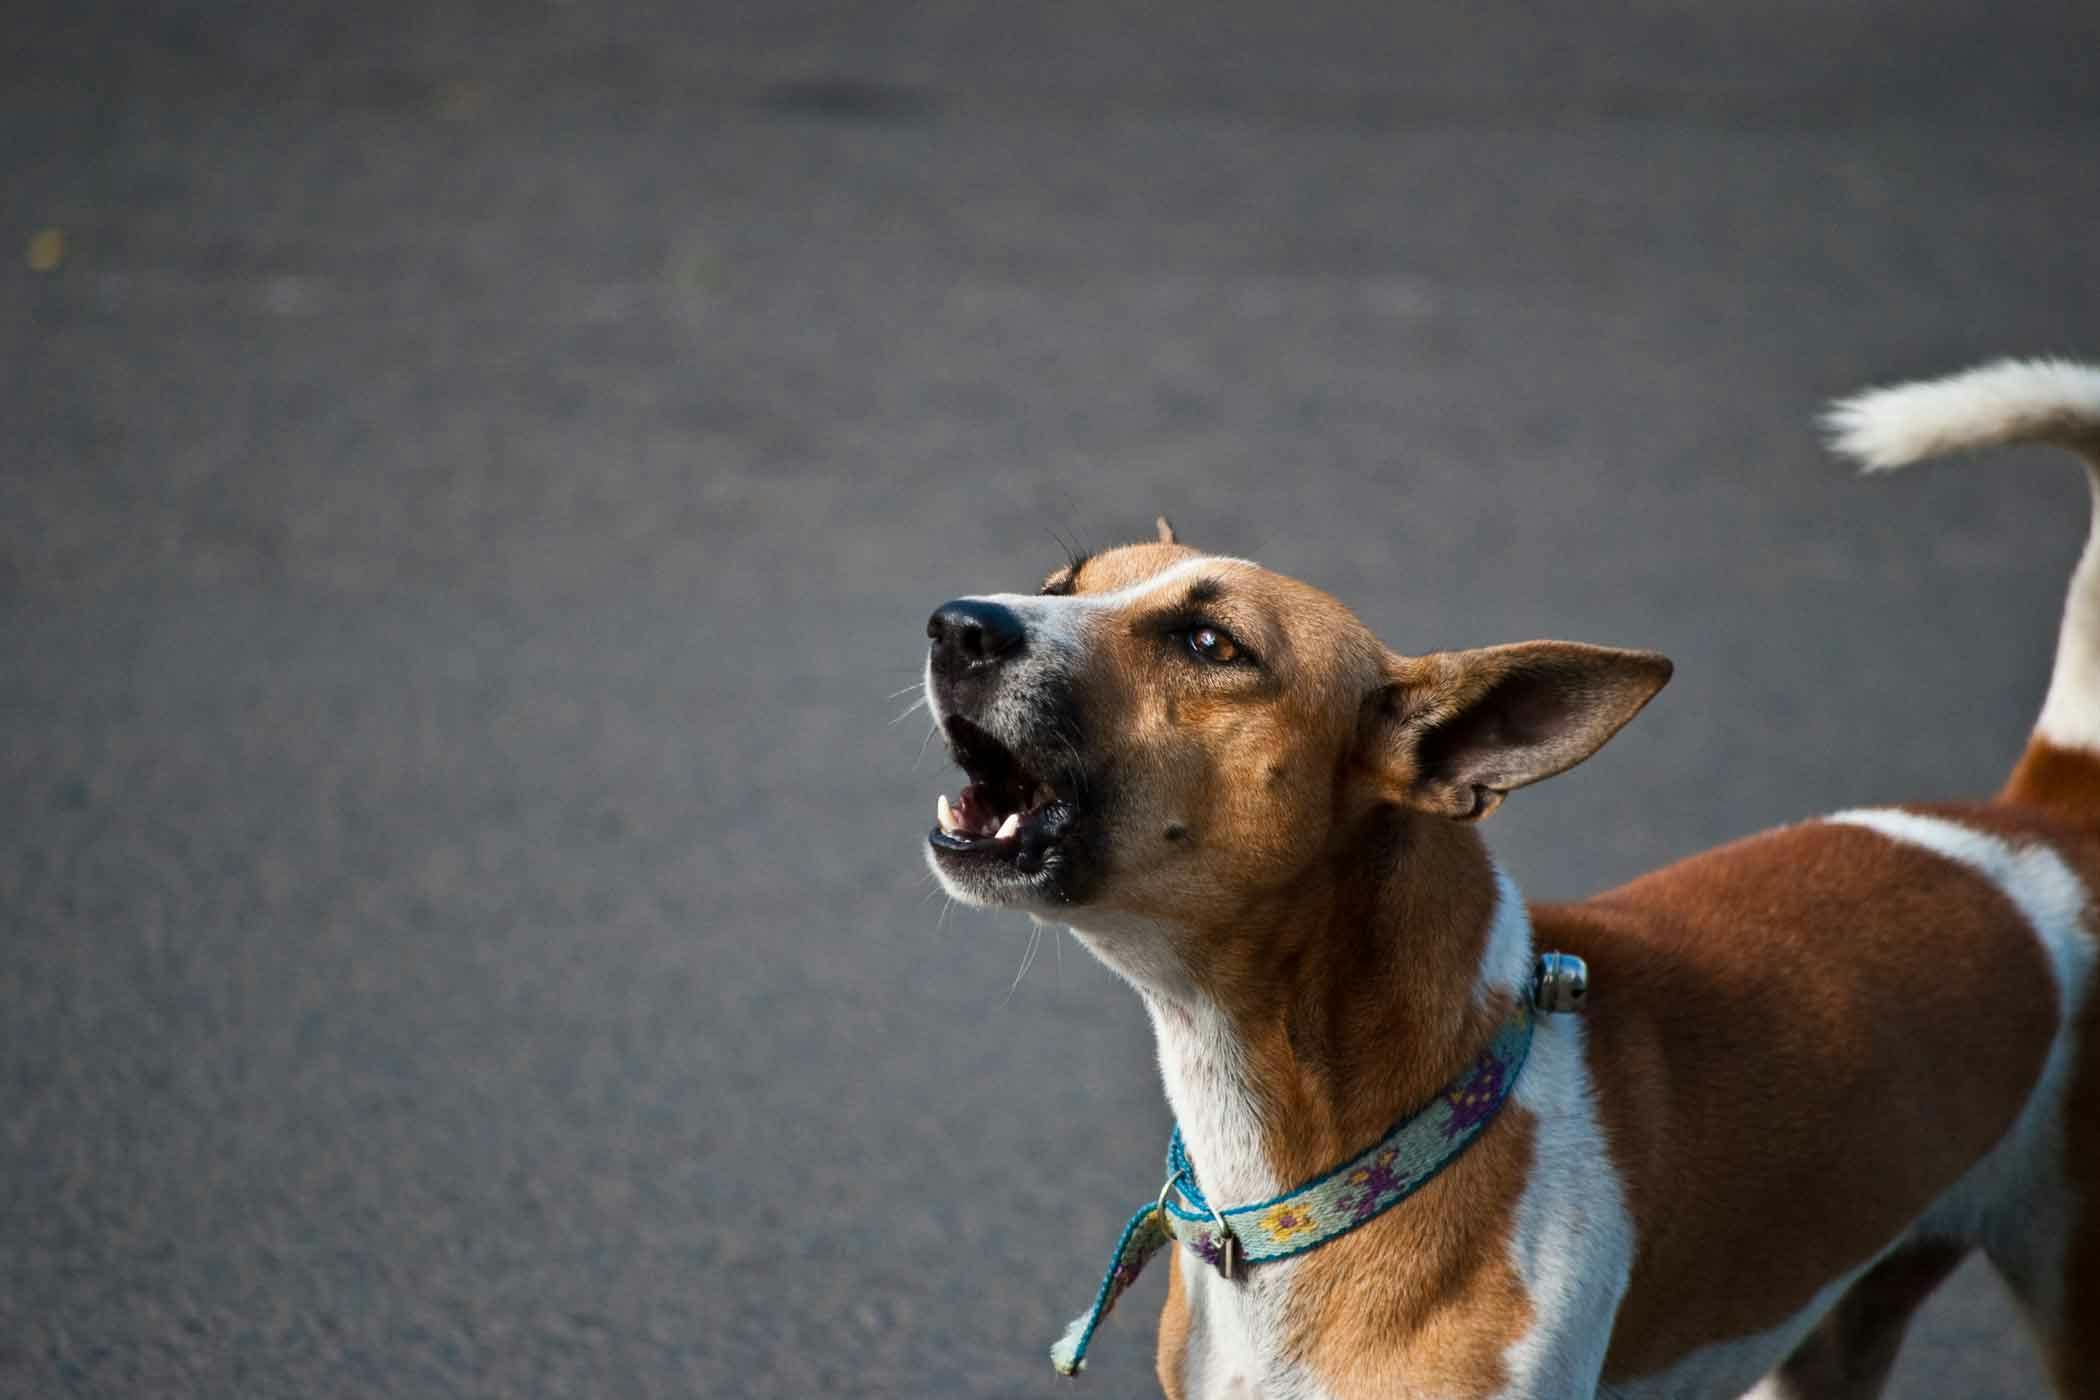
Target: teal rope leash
[(1358, 1191)]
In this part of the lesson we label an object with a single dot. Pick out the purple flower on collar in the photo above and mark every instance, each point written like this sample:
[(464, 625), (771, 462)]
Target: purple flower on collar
[(1373, 1184), (1475, 1101)]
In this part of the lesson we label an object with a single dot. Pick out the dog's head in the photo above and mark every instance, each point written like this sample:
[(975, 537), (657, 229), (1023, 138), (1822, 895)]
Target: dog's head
[(1167, 734)]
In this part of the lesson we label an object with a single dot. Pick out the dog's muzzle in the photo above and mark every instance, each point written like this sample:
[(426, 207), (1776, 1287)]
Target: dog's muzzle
[(1002, 703)]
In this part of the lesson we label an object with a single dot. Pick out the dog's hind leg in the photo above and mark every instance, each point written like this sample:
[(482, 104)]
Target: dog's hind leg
[(2046, 1244), (2057, 1284), (1852, 1350), (2044, 1239)]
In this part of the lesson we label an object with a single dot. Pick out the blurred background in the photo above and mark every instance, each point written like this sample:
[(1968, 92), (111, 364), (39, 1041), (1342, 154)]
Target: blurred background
[(476, 474)]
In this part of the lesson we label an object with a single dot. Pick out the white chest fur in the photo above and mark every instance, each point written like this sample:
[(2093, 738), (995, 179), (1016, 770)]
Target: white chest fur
[(1572, 1245), (1236, 1328), (1573, 1242), (1234, 1335)]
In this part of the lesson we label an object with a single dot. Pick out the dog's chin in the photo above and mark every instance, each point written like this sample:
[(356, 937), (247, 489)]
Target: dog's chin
[(987, 882)]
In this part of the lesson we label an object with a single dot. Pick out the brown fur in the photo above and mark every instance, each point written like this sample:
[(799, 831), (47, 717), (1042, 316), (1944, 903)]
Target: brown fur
[(2065, 1339), (1343, 921), (2062, 782), (1344, 1010), (1878, 1012), (1171, 1355), (1800, 1041), (1428, 1298)]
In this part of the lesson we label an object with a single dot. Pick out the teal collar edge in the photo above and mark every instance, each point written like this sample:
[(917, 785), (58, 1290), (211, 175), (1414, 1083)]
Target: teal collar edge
[(1358, 1191)]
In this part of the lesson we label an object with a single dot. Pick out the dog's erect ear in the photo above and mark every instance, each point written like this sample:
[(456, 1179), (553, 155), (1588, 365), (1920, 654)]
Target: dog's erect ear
[(1166, 530), (1452, 732)]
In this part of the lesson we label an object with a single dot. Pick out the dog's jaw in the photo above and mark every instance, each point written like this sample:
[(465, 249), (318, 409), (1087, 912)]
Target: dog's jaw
[(1001, 841)]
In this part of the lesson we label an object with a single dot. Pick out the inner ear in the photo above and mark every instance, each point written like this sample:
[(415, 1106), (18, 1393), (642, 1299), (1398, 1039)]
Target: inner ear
[(1461, 729), (1520, 718)]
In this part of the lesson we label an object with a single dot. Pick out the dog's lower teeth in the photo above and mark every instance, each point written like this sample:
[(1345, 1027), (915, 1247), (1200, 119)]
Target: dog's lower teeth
[(945, 815)]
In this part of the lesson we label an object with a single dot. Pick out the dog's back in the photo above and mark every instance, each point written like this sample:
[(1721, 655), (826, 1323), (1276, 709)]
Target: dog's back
[(1913, 975)]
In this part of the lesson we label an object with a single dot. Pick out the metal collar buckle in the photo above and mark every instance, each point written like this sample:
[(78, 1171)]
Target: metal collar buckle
[(1228, 1243), (1561, 983)]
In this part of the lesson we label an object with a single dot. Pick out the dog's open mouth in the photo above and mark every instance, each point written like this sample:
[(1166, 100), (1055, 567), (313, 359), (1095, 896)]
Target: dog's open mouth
[(1007, 812)]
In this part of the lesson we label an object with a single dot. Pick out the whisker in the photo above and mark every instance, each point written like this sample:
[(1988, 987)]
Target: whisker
[(1035, 940), (908, 710), (903, 691), (924, 743)]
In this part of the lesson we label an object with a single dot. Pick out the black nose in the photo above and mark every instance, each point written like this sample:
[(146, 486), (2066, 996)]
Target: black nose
[(972, 632)]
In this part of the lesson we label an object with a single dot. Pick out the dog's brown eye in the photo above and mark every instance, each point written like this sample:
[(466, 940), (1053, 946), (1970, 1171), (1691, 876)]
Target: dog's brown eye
[(1213, 645)]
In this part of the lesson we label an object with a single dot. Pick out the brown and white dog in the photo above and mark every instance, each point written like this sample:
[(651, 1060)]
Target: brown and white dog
[(1819, 1066)]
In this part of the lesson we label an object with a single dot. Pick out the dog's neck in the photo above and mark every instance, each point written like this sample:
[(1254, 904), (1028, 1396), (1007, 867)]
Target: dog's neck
[(1298, 1034)]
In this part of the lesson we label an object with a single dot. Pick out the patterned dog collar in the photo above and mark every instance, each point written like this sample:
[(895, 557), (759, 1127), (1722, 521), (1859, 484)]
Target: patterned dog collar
[(1357, 1191)]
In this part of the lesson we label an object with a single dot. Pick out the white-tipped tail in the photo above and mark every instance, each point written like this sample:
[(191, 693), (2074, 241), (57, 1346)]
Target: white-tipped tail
[(1999, 405), (2011, 401)]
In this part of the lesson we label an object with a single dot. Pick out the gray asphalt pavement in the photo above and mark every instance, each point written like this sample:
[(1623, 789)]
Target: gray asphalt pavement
[(476, 474)]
